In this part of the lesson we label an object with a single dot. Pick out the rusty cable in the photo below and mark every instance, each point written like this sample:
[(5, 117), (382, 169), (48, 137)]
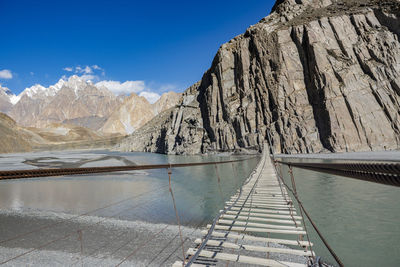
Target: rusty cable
[(19, 174), (378, 172)]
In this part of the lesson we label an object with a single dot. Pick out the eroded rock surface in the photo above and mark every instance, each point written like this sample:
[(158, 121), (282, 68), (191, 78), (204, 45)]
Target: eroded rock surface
[(315, 75)]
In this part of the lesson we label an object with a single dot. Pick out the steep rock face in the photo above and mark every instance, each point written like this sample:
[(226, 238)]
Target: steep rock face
[(175, 130), (166, 101), (315, 75), (136, 111)]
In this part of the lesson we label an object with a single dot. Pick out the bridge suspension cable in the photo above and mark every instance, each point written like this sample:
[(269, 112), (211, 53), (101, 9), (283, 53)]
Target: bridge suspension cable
[(261, 205)]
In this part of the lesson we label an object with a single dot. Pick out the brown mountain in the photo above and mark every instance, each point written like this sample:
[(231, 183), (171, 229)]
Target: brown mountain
[(11, 139), (74, 99), (137, 111), (15, 138)]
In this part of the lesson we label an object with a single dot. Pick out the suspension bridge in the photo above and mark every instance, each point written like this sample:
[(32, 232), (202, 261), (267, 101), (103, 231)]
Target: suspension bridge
[(261, 208)]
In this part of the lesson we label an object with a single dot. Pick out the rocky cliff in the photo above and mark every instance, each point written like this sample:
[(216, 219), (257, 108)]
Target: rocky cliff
[(314, 75)]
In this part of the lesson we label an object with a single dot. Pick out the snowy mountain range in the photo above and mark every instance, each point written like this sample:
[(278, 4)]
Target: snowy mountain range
[(80, 102)]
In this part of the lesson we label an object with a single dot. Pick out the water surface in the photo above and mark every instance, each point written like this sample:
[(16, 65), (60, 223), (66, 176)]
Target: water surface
[(196, 190), (360, 220)]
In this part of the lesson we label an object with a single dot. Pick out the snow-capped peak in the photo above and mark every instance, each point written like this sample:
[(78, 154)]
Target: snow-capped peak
[(14, 99), (34, 90), (10, 95), (38, 90), (5, 90), (58, 85), (77, 83)]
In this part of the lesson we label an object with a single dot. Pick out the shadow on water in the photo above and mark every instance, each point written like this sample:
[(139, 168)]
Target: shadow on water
[(55, 162)]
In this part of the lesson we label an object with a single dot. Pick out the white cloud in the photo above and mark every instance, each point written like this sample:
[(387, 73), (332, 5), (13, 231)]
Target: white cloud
[(87, 70), (84, 70), (96, 67), (150, 96), (168, 87), (88, 77), (5, 74), (126, 88)]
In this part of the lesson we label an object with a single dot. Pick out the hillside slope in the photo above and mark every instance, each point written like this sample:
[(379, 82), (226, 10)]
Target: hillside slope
[(11, 139), (315, 75)]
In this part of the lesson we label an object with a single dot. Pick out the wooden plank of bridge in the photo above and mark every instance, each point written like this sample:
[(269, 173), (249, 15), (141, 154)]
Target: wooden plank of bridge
[(250, 218), (234, 235), (257, 230), (264, 215), (263, 211), (261, 206), (245, 259), (216, 243), (246, 223)]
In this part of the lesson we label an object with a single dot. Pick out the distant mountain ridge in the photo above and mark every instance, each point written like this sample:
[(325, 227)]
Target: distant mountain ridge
[(83, 103), (14, 138), (66, 100)]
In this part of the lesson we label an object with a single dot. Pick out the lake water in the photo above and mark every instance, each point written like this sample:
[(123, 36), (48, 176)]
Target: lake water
[(140, 197), (359, 219), (196, 189)]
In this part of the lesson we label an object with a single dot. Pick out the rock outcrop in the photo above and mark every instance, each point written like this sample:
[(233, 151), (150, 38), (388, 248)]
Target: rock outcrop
[(315, 75)]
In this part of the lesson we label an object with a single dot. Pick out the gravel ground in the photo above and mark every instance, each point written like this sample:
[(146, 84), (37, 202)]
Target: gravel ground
[(103, 244), (105, 241)]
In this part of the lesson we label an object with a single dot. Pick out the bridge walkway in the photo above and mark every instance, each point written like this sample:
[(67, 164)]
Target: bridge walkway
[(259, 226)]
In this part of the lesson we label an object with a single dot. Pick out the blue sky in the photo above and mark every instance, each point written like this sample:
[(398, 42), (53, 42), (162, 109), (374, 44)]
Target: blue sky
[(167, 45)]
